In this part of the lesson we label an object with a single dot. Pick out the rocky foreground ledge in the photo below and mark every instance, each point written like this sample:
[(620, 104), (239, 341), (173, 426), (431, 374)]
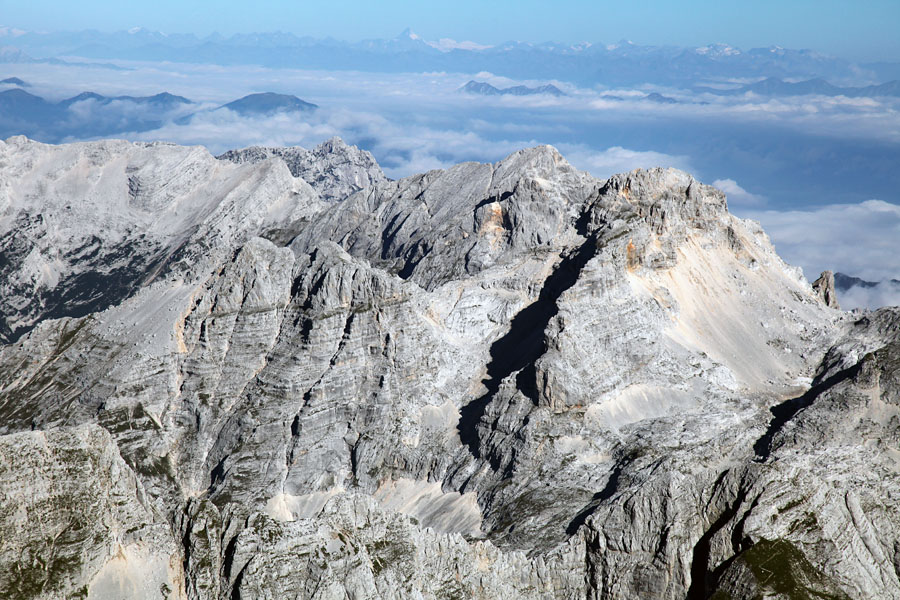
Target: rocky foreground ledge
[(279, 374)]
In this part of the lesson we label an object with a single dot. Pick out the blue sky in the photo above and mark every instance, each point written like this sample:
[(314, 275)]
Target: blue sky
[(864, 30)]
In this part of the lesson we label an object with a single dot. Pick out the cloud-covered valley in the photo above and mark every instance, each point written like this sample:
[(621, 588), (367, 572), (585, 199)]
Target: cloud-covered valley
[(862, 240), (806, 166)]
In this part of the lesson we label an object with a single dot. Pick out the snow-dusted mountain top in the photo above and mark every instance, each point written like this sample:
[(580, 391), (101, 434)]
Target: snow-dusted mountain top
[(588, 62), (280, 374)]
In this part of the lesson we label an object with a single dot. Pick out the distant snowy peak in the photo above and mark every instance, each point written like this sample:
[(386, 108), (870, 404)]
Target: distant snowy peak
[(586, 64), (714, 50), (145, 31), (448, 44), (407, 41), (620, 45), (443, 44)]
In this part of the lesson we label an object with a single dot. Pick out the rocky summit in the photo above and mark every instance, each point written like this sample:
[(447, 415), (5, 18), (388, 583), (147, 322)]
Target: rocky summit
[(280, 374)]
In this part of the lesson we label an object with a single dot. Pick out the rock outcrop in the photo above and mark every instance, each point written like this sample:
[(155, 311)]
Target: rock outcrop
[(824, 286), (506, 380), (76, 521), (334, 169)]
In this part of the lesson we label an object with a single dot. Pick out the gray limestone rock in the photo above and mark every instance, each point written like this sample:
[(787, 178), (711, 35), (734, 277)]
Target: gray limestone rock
[(75, 521), (824, 286), (506, 380), (85, 226), (334, 169)]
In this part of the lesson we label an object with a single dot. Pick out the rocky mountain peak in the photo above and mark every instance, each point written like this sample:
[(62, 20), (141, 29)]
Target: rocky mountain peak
[(670, 187), (293, 377), (334, 169)]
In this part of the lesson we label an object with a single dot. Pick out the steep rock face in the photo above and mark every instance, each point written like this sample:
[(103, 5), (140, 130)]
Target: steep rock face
[(448, 225), (352, 547), (824, 285), (76, 523), (507, 380), (84, 226)]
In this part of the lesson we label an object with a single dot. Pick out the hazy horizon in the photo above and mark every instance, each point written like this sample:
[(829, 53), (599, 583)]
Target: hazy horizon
[(861, 31)]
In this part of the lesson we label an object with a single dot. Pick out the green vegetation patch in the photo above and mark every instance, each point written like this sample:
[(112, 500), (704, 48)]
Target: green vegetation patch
[(389, 554), (781, 567)]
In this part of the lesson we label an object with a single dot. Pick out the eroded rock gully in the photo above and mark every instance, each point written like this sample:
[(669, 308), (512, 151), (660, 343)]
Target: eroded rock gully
[(280, 374)]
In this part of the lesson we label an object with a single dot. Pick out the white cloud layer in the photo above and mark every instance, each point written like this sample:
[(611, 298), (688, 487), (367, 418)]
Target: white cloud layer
[(840, 116), (886, 293), (861, 240), (604, 163), (738, 196), (401, 148), (416, 122)]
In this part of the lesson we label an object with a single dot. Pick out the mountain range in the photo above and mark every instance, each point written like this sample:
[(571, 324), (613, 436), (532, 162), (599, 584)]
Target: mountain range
[(13, 55), (485, 89), (845, 282), (588, 64), (23, 113), (772, 86), (279, 374)]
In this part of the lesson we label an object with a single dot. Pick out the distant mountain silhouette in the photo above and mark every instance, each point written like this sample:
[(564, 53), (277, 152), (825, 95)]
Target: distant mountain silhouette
[(584, 64), (163, 101), (480, 87), (27, 114), (843, 282), (485, 89), (14, 81), (11, 54), (268, 103), (651, 97), (23, 113), (82, 97), (660, 99), (773, 86), (20, 106)]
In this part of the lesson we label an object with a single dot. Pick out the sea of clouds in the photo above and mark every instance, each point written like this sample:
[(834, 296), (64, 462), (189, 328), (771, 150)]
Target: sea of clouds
[(819, 173)]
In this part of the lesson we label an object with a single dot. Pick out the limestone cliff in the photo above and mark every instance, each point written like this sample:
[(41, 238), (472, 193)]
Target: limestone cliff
[(280, 374)]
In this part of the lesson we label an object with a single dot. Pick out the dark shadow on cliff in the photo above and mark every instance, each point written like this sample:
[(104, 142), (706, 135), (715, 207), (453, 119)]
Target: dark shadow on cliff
[(612, 484), (701, 576), (786, 411), (523, 344)]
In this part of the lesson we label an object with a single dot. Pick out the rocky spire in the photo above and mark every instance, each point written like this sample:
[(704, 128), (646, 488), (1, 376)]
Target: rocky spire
[(824, 287)]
